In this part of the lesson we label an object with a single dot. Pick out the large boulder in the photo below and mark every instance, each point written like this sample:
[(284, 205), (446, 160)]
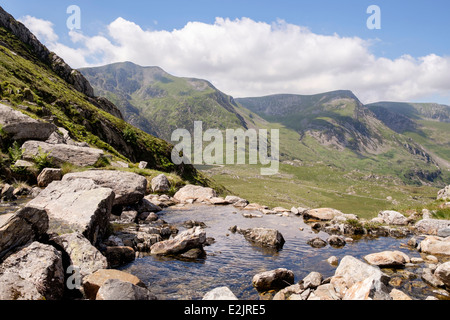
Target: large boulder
[(28, 224), (444, 194), (129, 188), (435, 245), (61, 153), (38, 264), (273, 280), (81, 253), (388, 259), (323, 214), (353, 270), (265, 237), (186, 240), (22, 127), (393, 217), (77, 206), (194, 193)]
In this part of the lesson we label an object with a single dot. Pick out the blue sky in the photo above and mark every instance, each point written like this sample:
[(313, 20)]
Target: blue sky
[(415, 28)]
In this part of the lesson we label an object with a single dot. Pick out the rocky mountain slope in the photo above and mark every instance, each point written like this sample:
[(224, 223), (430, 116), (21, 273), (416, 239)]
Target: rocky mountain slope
[(38, 83), (159, 103)]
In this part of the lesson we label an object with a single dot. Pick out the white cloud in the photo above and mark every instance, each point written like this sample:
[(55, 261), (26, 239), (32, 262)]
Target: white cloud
[(244, 57)]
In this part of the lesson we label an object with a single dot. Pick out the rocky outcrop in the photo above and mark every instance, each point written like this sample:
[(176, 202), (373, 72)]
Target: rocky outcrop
[(61, 153), (40, 267), (77, 205), (273, 280), (22, 127), (27, 224), (129, 188)]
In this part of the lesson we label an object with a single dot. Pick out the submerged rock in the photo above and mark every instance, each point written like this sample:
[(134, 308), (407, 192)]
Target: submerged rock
[(186, 240), (273, 280), (264, 236)]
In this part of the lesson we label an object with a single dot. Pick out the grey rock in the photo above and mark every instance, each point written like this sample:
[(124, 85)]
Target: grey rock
[(221, 293), (39, 264), (264, 236), (336, 241), (77, 206), (368, 289), (388, 259), (61, 153), (353, 270), (196, 193), (27, 224), (191, 238), (393, 217), (115, 289), (48, 175), (443, 273), (435, 245), (129, 188), (317, 242), (22, 127), (160, 183), (273, 280), (312, 280), (431, 279), (444, 194), (432, 226)]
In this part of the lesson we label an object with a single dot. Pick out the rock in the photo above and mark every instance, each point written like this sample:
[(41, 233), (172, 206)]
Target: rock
[(324, 292), (431, 226), (353, 270), (312, 280), (61, 153), (273, 280), (142, 165), (23, 164), (93, 282), (288, 292), (399, 295), (367, 289), (254, 206), (435, 245), (388, 259), (265, 237), (443, 273), (323, 214), (444, 194), (431, 279), (393, 217), (119, 256), (14, 287), (81, 253), (221, 293), (129, 188), (28, 224), (317, 243), (76, 206), (294, 210), (128, 216), (22, 127), (39, 264), (336, 241), (218, 201), (145, 205), (115, 289), (241, 203), (47, 176), (191, 238), (194, 253), (160, 183), (7, 193), (232, 199), (333, 260), (196, 193)]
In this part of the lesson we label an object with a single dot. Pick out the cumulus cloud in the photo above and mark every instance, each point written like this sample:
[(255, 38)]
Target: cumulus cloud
[(244, 57)]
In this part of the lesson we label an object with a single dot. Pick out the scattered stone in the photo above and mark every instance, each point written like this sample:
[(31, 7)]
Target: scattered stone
[(218, 201), (443, 273), (221, 293), (196, 193), (353, 270), (444, 194), (431, 279), (317, 243), (47, 176), (160, 183), (142, 165), (312, 280), (432, 226), (323, 214), (333, 261), (368, 289), (290, 292), (393, 217), (115, 289), (386, 259), (191, 238), (265, 237), (273, 280), (119, 256), (324, 292), (435, 245), (336, 241)]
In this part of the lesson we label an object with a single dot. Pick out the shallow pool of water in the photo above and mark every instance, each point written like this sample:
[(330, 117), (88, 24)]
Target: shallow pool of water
[(233, 261)]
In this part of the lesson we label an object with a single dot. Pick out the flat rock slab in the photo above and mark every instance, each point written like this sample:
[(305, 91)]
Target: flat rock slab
[(61, 153), (435, 245), (22, 127), (323, 214), (388, 259), (76, 206), (129, 188)]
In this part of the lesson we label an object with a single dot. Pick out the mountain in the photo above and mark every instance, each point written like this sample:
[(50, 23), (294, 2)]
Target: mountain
[(159, 103), (40, 84)]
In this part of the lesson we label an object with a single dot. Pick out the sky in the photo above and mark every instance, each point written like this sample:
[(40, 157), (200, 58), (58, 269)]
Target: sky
[(260, 47)]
